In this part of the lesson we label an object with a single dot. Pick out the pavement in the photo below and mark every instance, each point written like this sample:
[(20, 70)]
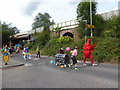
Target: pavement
[(11, 63)]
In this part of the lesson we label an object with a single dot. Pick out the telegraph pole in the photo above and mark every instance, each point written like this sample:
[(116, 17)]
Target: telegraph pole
[(91, 18)]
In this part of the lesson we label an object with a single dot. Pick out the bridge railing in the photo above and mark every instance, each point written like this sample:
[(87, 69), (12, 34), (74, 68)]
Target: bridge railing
[(64, 24), (71, 23)]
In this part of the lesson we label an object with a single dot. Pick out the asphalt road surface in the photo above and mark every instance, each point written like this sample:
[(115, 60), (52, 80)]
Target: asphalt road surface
[(39, 73)]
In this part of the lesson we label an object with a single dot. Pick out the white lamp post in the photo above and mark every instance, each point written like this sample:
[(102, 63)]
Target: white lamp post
[(91, 17), (10, 41), (85, 29)]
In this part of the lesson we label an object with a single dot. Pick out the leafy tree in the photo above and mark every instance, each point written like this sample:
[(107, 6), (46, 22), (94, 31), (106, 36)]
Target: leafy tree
[(83, 10), (6, 31), (57, 30), (43, 37), (42, 20), (99, 23), (112, 27), (83, 13)]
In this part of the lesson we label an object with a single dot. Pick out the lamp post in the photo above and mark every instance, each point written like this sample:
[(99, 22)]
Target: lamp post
[(85, 30), (91, 17), (10, 41)]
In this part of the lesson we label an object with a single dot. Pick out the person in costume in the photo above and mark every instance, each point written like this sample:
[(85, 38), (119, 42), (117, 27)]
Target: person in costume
[(27, 55), (87, 52), (6, 56), (10, 51), (18, 50)]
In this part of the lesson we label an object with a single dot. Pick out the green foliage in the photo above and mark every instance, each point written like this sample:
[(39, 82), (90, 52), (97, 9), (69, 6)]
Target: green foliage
[(112, 28), (6, 32), (42, 20), (99, 23), (64, 39), (54, 46), (42, 38), (30, 45), (83, 10), (81, 30), (106, 50), (57, 29), (53, 36)]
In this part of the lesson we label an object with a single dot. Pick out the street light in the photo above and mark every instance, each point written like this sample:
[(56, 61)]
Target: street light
[(85, 29), (10, 41), (91, 16)]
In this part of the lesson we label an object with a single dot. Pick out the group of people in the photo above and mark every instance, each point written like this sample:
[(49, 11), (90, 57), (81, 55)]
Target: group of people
[(10, 49), (87, 52), (73, 55), (27, 55), (8, 52)]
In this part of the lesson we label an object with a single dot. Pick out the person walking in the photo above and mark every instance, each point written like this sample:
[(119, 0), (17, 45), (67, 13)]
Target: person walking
[(73, 57), (87, 52), (38, 52)]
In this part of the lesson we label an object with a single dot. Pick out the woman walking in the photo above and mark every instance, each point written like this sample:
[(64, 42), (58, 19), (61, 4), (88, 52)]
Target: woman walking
[(38, 52)]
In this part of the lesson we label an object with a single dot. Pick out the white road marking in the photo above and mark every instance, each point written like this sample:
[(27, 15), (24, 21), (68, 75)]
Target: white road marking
[(36, 59), (28, 64)]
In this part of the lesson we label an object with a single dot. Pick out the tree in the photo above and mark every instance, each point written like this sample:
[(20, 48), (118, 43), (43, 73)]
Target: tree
[(42, 20), (57, 30), (99, 23), (112, 27), (83, 13), (43, 38), (83, 10), (6, 31)]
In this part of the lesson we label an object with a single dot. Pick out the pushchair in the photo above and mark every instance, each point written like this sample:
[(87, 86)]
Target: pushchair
[(62, 59)]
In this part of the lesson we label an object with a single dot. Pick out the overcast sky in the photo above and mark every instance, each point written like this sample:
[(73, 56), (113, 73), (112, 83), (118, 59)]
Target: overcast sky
[(21, 13)]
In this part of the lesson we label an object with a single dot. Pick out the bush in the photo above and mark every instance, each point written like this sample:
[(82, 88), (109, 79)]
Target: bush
[(106, 50), (30, 45), (43, 38), (64, 39)]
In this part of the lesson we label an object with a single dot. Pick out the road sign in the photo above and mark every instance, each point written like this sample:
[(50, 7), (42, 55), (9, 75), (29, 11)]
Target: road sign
[(90, 26)]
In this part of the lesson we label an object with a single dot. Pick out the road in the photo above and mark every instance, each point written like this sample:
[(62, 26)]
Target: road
[(39, 73)]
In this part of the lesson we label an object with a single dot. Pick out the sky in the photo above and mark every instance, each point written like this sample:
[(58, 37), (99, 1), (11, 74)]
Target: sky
[(21, 13)]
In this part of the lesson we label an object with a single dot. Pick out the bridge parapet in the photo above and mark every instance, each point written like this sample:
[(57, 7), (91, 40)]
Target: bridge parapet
[(63, 25), (66, 24)]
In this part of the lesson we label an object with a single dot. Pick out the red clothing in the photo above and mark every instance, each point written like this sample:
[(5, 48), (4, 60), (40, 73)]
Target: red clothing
[(87, 51)]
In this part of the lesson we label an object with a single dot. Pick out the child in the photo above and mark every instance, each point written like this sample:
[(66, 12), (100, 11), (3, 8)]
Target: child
[(61, 51), (73, 57)]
